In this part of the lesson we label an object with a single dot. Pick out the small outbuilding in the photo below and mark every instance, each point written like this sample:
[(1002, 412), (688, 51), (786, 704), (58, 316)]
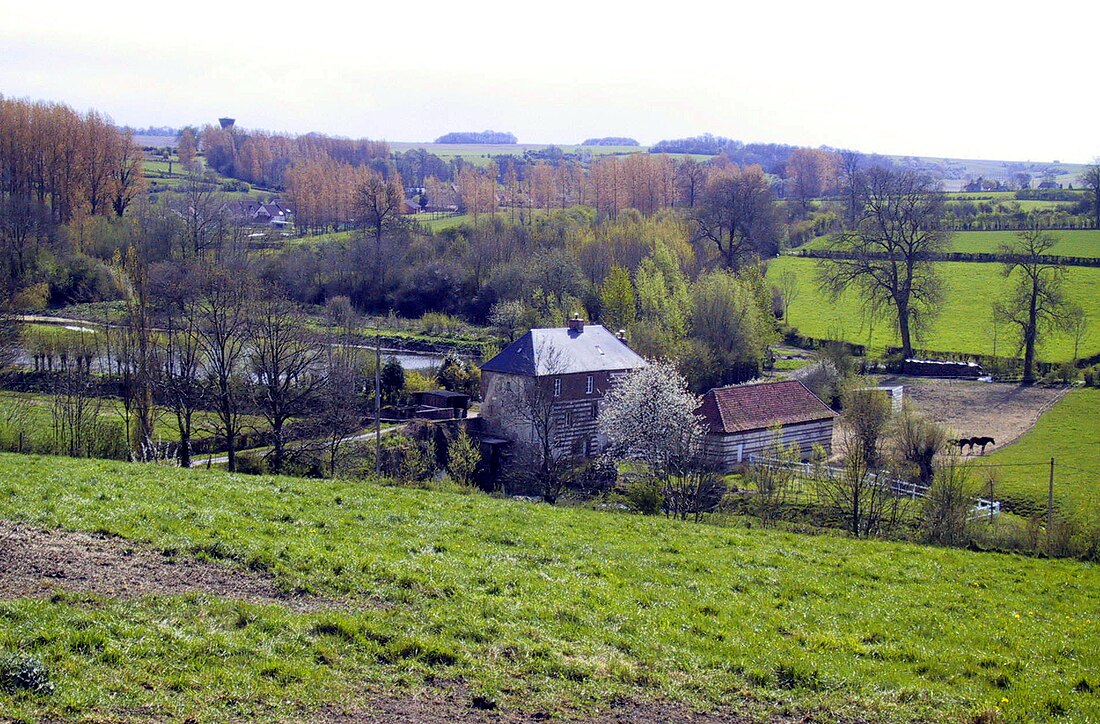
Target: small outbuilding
[(740, 420)]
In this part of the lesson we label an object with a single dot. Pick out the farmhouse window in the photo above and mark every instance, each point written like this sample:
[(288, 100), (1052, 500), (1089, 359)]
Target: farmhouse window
[(557, 387), (588, 386)]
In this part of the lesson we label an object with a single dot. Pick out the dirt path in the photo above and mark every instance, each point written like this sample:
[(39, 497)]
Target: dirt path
[(453, 703), (1001, 411), (34, 562)]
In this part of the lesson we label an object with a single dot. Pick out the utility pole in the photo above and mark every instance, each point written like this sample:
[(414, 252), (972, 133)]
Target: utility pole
[(991, 499), (377, 405), (1050, 507)]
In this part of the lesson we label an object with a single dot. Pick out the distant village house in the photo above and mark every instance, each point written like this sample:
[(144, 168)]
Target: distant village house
[(250, 211)]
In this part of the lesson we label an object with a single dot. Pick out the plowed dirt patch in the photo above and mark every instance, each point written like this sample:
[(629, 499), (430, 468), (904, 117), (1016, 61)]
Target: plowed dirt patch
[(34, 562), (988, 409)]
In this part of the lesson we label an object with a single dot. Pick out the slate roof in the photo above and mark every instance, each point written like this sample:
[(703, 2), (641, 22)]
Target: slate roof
[(561, 351), (755, 407)]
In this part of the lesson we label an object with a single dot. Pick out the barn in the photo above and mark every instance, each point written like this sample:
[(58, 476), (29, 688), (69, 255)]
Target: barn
[(740, 420)]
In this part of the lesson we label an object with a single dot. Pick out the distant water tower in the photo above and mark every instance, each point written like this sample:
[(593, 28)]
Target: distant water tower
[(227, 122)]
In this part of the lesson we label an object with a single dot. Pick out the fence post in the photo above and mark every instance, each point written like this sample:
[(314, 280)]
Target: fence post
[(1050, 506)]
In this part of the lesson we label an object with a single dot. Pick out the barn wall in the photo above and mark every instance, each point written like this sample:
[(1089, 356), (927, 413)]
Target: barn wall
[(724, 449)]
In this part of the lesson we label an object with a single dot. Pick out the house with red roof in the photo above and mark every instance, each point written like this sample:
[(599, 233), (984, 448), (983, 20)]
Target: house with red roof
[(740, 420)]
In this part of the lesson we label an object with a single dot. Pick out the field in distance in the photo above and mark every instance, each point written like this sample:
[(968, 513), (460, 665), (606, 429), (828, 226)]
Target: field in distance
[(1071, 242), (964, 323)]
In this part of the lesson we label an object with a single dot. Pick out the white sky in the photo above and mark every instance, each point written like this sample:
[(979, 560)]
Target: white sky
[(962, 79)]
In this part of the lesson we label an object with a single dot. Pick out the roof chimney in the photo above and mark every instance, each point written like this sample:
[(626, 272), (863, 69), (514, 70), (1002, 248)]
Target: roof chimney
[(576, 324)]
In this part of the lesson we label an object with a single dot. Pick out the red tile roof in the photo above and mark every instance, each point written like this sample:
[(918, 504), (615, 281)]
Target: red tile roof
[(760, 406)]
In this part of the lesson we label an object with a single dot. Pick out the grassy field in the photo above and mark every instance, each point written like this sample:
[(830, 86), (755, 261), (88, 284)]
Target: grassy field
[(480, 154), (443, 222), (1072, 242), (1068, 433), (964, 168), (33, 413), (552, 610), (963, 324), (474, 151)]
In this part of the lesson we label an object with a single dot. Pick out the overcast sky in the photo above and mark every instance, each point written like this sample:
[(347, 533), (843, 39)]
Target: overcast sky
[(961, 79)]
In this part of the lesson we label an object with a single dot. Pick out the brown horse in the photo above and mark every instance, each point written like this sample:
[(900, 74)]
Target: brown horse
[(961, 443), (983, 441)]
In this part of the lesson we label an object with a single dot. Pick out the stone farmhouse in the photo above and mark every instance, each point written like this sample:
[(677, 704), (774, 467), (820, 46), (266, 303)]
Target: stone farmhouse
[(740, 420), (557, 374)]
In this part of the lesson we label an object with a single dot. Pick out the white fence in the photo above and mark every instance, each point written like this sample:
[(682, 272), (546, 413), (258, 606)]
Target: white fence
[(983, 508)]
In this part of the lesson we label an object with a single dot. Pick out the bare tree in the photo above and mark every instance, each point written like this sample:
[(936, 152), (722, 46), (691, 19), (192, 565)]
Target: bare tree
[(919, 441), (888, 254), (866, 415), (283, 359), (948, 503), (773, 477), (202, 207), (1078, 325), (851, 163), (690, 177), (338, 414), (380, 203), (139, 352), (1035, 303), (180, 381), (223, 334), (736, 213), (856, 495), (532, 403)]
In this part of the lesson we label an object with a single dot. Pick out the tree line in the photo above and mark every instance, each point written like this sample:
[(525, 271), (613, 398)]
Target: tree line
[(63, 164)]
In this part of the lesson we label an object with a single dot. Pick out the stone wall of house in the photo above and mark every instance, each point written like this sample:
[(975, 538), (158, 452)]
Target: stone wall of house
[(575, 408)]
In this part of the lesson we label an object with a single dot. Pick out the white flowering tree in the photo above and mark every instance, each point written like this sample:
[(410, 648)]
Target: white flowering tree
[(649, 417)]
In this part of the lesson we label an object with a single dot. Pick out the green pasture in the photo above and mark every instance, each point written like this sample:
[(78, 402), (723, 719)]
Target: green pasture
[(27, 420), (442, 222), (964, 324), (479, 154), (1071, 242), (332, 237), (1069, 433), (546, 610), (471, 151)]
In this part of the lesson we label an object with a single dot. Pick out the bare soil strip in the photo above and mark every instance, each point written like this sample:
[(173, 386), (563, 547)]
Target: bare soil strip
[(446, 705), (34, 562)]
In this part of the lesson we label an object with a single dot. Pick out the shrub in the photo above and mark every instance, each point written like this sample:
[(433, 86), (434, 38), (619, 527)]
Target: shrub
[(18, 671), (643, 495)]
